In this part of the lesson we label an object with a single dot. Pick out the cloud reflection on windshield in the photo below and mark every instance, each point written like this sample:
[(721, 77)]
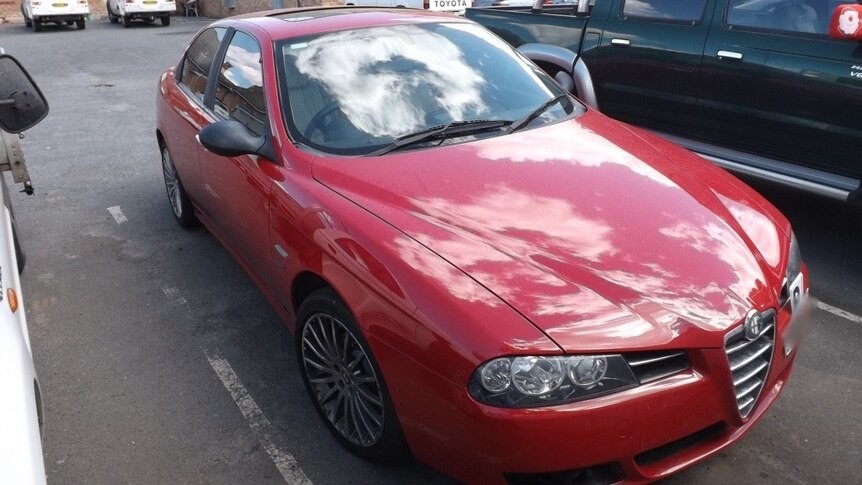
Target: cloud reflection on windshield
[(358, 68)]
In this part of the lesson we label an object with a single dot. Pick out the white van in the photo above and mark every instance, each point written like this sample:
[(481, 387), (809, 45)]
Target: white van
[(387, 3), (146, 10), (38, 12)]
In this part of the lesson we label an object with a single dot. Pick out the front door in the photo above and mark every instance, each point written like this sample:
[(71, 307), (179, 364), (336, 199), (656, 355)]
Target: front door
[(237, 188)]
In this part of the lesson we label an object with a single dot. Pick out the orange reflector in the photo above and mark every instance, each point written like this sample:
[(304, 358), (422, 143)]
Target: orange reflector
[(13, 299)]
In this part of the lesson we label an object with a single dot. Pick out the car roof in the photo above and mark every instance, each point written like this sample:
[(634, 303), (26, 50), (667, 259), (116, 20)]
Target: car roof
[(287, 23)]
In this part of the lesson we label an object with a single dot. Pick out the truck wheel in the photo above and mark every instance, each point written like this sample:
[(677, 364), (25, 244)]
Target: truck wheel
[(81, 24), (111, 17), (127, 21), (166, 20), (37, 25)]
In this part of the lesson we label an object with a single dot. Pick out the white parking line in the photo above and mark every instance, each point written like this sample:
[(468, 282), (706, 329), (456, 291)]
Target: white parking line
[(173, 295), (284, 461), (118, 214), (837, 311)]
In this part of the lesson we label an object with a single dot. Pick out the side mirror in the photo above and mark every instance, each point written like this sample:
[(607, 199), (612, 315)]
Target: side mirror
[(22, 105), (565, 81), (230, 138), (846, 22)]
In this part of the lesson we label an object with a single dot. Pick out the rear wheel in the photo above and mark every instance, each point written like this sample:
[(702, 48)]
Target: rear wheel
[(81, 24), (127, 21), (344, 380), (180, 204), (37, 25), (166, 20)]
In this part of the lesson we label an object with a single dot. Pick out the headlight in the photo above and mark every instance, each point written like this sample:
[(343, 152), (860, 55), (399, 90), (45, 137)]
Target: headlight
[(794, 266), (534, 381)]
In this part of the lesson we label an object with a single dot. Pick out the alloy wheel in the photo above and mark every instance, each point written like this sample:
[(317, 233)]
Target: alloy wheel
[(172, 183), (342, 380)]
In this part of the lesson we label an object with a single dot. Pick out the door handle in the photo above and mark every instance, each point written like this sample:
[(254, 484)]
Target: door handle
[(621, 42), (735, 56)]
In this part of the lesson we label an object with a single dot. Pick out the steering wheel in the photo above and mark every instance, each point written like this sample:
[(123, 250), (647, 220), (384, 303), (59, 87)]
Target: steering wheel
[(321, 120)]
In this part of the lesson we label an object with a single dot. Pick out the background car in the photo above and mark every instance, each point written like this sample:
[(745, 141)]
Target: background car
[(144, 10), (67, 12), (476, 266), (21, 107)]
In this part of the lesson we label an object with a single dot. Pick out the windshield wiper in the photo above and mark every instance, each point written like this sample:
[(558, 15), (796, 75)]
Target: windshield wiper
[(448, 130), (517, 125)]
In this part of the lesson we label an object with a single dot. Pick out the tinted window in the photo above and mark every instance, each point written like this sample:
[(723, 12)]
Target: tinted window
[(671, 10), (353, 91), (199, 59), (239, 94), (803, 16)]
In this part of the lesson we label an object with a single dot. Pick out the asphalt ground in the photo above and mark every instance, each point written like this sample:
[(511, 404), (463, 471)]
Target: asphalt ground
[(160, 361)]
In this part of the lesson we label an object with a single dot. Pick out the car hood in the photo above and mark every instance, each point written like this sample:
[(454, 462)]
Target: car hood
[(601, 239)]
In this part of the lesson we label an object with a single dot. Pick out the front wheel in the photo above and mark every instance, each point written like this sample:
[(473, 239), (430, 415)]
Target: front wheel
[(81, 24), (343, 379), (166, 20), (180, 203), (113, 18)]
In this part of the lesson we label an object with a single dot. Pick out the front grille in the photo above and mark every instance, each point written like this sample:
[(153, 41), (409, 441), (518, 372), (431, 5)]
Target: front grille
[(658, 454), (652, 366), (749, 362)]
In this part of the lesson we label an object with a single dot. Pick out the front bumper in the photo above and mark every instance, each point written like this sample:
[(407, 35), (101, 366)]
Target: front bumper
[(641, 435)]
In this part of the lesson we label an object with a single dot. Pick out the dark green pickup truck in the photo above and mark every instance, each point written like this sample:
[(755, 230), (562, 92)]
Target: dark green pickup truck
[(756, 86)]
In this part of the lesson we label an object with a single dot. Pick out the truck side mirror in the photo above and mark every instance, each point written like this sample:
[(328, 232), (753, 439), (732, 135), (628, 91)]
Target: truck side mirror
[(22, 105), (846, 22)]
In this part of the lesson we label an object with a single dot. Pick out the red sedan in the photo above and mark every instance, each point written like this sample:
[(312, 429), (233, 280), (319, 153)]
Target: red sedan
[(477, 267)]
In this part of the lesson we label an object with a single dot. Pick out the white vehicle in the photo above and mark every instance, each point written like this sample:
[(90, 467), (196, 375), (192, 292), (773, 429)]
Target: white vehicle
[(388, 3), (39, 12), (21, 106), (146, 10)]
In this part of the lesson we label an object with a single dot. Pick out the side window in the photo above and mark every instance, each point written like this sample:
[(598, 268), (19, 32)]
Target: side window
[(239, 94), (199, 58), (800, 16), (689, 11)]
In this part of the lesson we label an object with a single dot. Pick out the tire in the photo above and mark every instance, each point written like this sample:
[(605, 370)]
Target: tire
[(37, 25), (27, 22), (347, 388), (81, 24), (127, 21), (166, 20), (180, 204), (111, 17)]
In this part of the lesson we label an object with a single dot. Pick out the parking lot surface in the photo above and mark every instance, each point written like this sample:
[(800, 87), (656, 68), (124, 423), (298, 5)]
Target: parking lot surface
[(160, 361)]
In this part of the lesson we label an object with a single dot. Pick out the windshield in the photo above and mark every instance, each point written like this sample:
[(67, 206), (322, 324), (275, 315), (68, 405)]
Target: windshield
[(353, 92)]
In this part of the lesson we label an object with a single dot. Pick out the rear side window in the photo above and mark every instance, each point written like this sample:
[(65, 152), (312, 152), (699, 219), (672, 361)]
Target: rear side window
[(239, 94), (199, 58), (795, 16), (666, 10)]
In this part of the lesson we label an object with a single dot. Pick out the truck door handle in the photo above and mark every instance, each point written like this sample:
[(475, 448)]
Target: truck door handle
[(621, 42), (736, 56)]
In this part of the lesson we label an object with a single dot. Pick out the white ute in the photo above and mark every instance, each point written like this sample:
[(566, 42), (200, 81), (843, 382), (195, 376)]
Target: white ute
[(39, 12), (146, 10), (21, 107)]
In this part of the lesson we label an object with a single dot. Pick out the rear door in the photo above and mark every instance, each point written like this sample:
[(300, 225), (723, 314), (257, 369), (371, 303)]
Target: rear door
[(774, 84), (649, 62)]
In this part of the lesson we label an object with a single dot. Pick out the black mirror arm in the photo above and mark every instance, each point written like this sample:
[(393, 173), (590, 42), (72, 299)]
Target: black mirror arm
[(266, 149)]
